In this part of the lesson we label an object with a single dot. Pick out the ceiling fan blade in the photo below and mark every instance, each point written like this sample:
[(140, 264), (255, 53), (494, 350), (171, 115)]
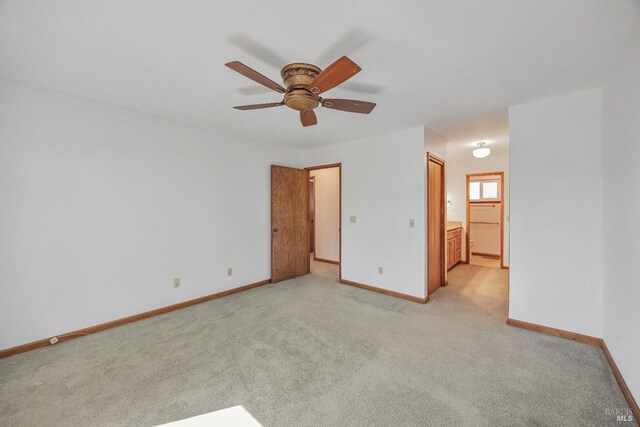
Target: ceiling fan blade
[(308, 118), (336, 73), (255, 76), (349, 105), (360, 87), (258, 106)]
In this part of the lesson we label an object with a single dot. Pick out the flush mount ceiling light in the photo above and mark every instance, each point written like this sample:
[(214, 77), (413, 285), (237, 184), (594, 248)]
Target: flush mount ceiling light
[(481, 151)]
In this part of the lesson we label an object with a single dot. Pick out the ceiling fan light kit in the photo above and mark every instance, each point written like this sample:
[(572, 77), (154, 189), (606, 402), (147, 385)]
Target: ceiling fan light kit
[(303, 83)]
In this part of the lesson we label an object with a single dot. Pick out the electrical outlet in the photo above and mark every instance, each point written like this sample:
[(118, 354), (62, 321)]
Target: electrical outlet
[(352, 219), (229, 271), (176, 282), (380, 270), (412, 223), (54, 340)]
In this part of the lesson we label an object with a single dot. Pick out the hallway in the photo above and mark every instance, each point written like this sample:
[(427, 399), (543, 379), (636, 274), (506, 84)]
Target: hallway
[(483, 261), (325, 269)]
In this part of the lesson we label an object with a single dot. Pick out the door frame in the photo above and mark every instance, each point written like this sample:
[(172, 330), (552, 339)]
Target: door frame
[(443, 216), (468, 237), (329, 166)]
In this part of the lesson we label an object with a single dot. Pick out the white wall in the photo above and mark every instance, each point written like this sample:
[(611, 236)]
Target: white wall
[(622, 211), (383, 186), (102, 207), (460, 163), (327, 221), (435, 144), (557, 212)]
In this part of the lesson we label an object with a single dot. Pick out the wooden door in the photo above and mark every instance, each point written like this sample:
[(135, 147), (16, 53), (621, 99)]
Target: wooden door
[(435, 208), (312, 214), (289, 223)]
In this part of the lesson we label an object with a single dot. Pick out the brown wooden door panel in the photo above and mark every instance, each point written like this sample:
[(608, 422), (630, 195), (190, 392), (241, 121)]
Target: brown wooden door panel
[(289, 223), (436, 233), (312, 215)]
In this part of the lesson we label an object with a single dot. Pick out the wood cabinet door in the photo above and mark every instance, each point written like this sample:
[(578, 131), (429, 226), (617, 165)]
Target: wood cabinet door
[(289, 223)]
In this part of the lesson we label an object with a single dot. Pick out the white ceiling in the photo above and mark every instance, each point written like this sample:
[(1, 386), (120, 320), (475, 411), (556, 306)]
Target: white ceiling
[(454, 66)]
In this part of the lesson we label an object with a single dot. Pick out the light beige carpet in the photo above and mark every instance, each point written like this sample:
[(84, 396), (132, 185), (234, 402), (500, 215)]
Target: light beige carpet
[(311, 352)]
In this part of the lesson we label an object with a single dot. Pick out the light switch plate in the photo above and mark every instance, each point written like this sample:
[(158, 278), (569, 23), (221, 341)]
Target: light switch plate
[(380, 270), (229, 271), (176, 282), (352, 219), (412, 223)]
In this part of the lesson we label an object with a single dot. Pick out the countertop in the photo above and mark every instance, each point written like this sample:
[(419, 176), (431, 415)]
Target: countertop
[(452, 225)]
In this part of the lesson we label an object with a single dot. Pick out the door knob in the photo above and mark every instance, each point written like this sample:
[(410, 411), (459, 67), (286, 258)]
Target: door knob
[(275, 230)]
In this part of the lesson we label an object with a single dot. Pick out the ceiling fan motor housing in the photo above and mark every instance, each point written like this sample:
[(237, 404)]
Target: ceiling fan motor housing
[(297, 77)]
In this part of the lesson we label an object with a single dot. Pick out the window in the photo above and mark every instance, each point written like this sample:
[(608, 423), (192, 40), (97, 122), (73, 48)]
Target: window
[(490, 190), (484, 190), (474, 191)]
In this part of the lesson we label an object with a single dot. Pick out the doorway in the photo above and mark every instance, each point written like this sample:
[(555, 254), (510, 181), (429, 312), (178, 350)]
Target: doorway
[(485, 219), (325, 212), (436, 223)]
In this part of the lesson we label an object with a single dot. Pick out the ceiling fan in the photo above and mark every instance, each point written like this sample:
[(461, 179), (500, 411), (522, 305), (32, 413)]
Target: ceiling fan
[(303, 85)]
